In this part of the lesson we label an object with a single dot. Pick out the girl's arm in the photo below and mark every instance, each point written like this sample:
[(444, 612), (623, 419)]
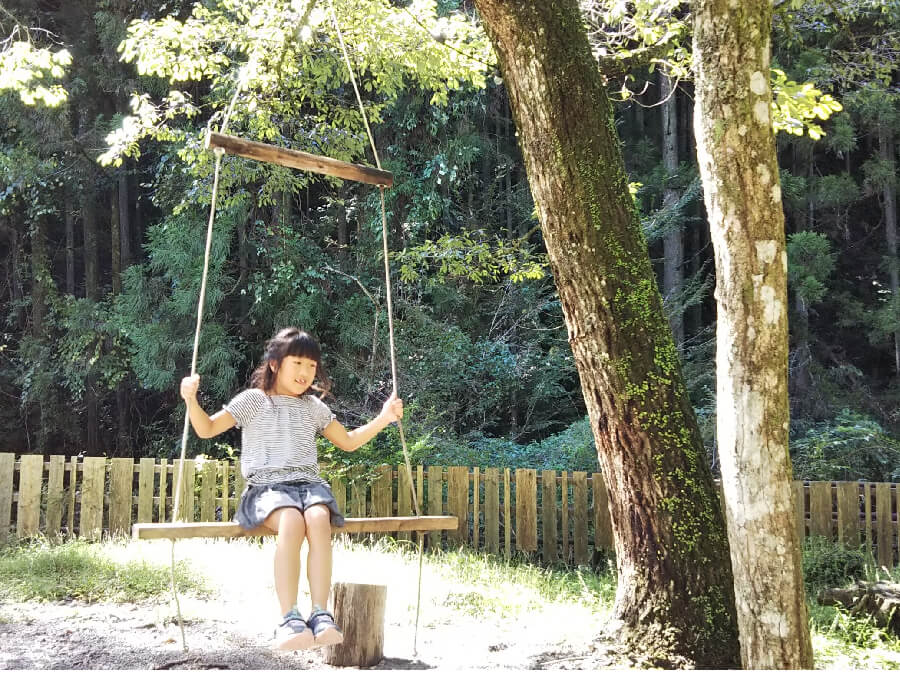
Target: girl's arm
[(204, 425), (351, 440)]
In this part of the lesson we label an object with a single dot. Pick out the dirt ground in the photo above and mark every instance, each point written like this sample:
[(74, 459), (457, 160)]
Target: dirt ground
[(232, 627)]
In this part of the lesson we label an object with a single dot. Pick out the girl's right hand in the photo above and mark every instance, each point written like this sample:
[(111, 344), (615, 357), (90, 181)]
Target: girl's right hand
[(189, 387)]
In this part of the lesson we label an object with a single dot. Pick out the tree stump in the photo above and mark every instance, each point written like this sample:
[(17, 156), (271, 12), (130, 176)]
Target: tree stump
[(359, 612), (879, 600)]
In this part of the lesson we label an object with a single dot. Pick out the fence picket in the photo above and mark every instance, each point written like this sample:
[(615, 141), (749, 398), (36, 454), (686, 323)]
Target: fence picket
[(526, 509), (28, 511), (458, 502), (55, 494), (799, 509), (121, 495), (70, 495), (382, 493), (404, 498), (93, 478), (564, 515), (224, 471), (492, 510), (208, 471), (580, 520), (848, 513), (7, 468), (507, 523), (884, 530), (435, 501), (820, 509), (548, 515), (603, 539), (146, 476), (476, 507), (163, 490)]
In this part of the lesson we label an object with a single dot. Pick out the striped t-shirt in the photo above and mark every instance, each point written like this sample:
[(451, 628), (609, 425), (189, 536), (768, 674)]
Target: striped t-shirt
[(278, 435)]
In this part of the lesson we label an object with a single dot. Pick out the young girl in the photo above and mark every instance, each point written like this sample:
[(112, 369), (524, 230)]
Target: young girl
[(279, 419)]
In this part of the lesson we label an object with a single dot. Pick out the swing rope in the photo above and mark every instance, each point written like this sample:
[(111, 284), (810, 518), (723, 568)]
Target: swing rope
[(219, 152), (200, 305), (390, 311)]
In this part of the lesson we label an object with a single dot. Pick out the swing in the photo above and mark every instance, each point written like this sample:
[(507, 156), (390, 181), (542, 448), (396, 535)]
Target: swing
[(221, 143)]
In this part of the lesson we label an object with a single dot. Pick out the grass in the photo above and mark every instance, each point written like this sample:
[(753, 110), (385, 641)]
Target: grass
[(76, 570)]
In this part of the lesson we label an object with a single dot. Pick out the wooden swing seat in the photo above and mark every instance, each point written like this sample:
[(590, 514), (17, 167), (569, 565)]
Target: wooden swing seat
[(297, 159), (351, 526)]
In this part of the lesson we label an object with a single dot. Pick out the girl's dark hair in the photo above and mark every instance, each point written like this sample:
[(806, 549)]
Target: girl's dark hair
[(290, 342)]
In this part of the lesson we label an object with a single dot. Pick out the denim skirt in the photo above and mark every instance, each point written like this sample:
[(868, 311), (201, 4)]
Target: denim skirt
[(258, 501)]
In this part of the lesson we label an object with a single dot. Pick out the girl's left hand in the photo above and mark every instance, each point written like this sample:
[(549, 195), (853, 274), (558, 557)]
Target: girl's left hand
[(392, 409)]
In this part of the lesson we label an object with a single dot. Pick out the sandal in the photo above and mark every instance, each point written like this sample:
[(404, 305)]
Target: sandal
[(324, 629)]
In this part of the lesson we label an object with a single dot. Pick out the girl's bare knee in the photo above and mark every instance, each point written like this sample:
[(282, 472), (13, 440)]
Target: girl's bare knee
[(287, 521), (318, 520)]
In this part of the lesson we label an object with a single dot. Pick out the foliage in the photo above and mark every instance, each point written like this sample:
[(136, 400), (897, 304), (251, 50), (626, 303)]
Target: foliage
[(849, 447), (78, 570), (28, 70), (810, 263), (827, 564)]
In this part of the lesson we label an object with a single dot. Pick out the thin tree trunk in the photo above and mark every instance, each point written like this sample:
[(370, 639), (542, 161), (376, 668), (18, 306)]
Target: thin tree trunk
[(736, 151), (886, 152), (91, 256), (70, 245), (674, 600), (115, 246), (673, 245), (124, 221)]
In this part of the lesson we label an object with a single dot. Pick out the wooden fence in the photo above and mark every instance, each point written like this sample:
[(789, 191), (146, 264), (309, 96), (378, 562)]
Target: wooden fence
[(558, 516)]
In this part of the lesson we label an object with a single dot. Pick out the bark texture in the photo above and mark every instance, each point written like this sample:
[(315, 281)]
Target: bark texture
[(736, 149), (674, 600), (673, 244)]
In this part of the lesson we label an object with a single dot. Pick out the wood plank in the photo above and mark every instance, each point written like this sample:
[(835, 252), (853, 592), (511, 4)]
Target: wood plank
[(603, 537), (121, 495), (848, 513), (70, 495), (580, 519), (383, 492), (404, 498), (799, 495), (868, 495), (93, 479), (458, 502), (240, 484), (186, 473), (146, 480), (297, 159), (339, 490), (208, 475), (476, 507), (28, 509), (351, 526), (163, 490), (564, 515), (820, 509), (420, 490), (7, 469), (435, 480), (224, 471), (358, 489), (884, 530), (548, 516), (56, 495), (526, 509), (492, 510), (507, 515)]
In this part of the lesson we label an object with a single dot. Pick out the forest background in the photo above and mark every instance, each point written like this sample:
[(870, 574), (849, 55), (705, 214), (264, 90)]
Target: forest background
[(105, 187)]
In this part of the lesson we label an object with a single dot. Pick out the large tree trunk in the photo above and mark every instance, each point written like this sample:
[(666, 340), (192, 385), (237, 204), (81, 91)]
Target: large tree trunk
[(69, 217), (736, 150), (675, 597), (673, 245)]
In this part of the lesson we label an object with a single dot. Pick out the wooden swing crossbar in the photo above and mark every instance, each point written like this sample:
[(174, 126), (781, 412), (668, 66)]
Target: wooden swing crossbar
[(351, 526), (297, 159)]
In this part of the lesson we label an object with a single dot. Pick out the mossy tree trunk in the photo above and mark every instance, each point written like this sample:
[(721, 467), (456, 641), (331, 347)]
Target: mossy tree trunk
[(675, 598), (736, 150)]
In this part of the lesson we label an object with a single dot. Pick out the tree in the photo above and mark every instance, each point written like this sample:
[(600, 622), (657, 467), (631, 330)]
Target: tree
[(736, 152), (675, 598)]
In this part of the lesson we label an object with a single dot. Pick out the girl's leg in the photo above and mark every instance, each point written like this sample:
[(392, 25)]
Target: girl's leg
[(290, 525), (318, 563)]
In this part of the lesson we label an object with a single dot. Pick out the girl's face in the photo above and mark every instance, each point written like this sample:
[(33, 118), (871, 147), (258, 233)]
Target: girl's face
[(295, 375)]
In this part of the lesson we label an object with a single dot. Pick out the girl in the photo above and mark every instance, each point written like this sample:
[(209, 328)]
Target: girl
[(279, 419)]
